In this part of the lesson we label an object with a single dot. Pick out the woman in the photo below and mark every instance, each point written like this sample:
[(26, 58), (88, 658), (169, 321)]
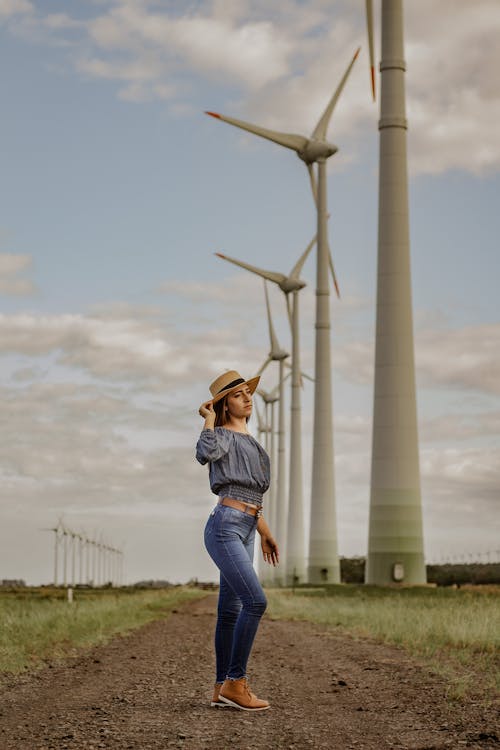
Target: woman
[(239, 475)]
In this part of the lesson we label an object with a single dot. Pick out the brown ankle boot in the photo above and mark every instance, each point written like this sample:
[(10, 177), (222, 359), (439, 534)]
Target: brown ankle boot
[(236, 693), (215, 699)]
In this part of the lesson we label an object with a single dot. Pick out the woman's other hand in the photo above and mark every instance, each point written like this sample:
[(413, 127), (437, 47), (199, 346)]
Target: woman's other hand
[(270, 549)]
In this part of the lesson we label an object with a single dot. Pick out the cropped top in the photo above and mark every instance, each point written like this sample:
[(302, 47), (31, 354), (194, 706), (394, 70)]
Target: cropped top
[(239, 465)]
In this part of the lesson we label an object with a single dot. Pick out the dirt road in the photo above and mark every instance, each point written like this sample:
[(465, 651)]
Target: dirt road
[(151, 690)]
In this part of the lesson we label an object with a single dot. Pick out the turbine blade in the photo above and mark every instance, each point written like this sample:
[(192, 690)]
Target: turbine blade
[(314, 187), (302, 374), (322, 126), (261, 369), (334, 277), (260, 422), (295, 273), (278, 278), (276, 388), (289, 310), (288, 140), (369, 27), (275, 347)]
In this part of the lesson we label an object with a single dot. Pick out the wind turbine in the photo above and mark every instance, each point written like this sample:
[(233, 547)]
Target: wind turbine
[(73, 536), (296, 557), (270, 399), (277, 354), (81, 547), (395, 527), (88, 552), (65, 534), (323, 556), (95, 572), (56, 529)]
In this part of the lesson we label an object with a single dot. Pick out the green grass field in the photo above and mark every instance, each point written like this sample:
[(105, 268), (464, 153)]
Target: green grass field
[(457, 632), (39, 624)]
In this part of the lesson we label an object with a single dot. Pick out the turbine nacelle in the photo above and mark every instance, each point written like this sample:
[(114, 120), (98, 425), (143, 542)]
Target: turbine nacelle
[(292, 285), (315, 150), (268, 398)]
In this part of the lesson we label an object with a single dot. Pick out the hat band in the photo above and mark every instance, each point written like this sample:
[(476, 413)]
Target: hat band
[(230, 385)]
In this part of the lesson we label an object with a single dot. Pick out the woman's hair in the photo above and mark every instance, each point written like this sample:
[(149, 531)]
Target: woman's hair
[(220, 412)]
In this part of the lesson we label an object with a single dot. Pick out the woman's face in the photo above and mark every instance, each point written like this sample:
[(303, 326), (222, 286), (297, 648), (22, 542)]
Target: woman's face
[(239, 403)]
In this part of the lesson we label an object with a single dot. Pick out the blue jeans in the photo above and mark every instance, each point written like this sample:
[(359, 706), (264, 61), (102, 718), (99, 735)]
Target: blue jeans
[(229, 539)]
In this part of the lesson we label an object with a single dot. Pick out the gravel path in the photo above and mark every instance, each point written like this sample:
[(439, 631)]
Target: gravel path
[(151, 689)]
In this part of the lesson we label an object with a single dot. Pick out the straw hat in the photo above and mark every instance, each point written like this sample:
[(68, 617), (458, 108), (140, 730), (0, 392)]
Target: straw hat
[(230, 381)]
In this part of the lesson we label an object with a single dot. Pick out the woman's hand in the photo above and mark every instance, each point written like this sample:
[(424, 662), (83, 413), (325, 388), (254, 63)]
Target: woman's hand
[(269, 549), (207, 411), (268, 543)]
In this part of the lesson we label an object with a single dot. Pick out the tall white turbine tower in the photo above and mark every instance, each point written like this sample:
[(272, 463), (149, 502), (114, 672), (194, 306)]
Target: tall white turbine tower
[(395, 544), (323, 556)]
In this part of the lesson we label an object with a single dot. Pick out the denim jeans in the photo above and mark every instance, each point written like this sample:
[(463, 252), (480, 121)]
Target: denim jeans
[(229, 539)]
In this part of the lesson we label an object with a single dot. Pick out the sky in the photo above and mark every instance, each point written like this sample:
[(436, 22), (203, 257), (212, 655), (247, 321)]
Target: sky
[(115, 315)]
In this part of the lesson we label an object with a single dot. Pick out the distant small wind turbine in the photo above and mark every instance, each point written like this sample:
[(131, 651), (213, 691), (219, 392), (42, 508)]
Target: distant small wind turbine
[(57, 529)]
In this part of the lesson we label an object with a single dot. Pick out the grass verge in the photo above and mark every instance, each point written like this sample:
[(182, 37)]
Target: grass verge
[(456, 632), (41, 626)]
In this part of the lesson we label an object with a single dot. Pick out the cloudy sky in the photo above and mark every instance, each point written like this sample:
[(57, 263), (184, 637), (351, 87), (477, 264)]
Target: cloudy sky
[(116, 191)]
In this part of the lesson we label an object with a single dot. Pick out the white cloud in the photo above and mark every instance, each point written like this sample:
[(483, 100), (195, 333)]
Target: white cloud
[(10, 8), (11, 265), (459, 427), (249, 52), (135, 71), (472, 467), (131, 348), (452, 85), (60, 21), (463, 358), (255, 53)]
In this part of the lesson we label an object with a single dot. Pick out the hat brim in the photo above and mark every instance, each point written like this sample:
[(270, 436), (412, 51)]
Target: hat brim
[(252, 384)]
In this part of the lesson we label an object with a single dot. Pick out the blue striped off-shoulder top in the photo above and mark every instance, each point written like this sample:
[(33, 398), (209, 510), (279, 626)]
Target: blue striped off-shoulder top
[(239, 465)]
